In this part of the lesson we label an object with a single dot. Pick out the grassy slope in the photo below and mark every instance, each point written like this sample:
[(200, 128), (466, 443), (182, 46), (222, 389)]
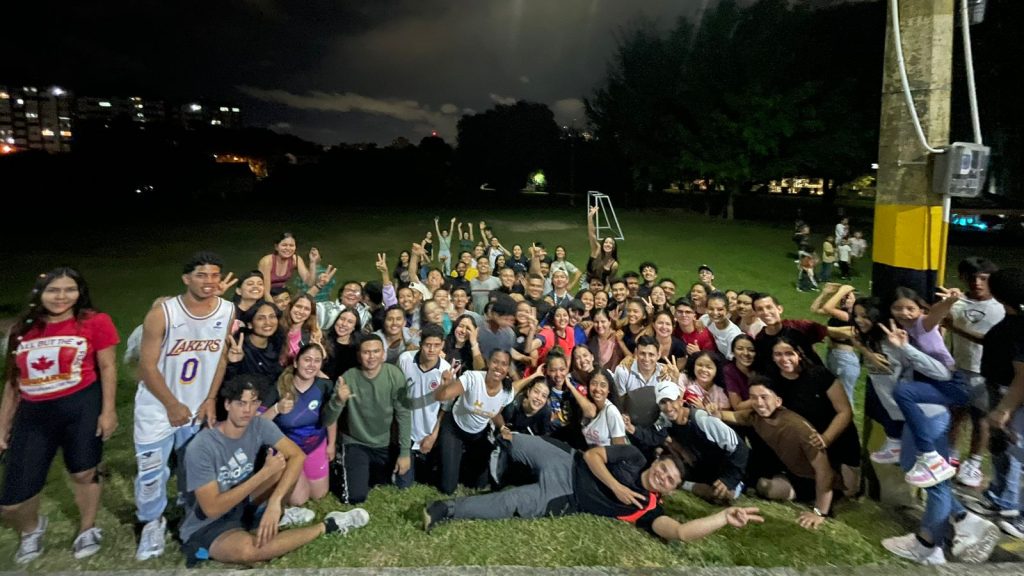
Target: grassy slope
[(128, 268)]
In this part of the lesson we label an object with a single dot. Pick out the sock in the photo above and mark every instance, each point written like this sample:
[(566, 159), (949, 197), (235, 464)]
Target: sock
[(976, 458), (923, 542), (931, 456), (330, 526)]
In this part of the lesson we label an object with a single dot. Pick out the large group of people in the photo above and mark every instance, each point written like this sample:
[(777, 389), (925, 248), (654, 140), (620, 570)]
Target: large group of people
[(556, 389)]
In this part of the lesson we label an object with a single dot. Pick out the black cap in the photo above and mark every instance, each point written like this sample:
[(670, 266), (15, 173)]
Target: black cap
[(503, 305), (576, 304), (705, 267)]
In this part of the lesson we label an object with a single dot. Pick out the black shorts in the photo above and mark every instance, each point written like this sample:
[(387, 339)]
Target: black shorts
[(197, 548), (68, 423)]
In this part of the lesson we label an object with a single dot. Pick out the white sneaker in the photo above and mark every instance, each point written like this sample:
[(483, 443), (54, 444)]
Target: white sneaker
[(87, 543), (346, 521), (151, 542), (31, 545), (970, 474), (295, 516), (908, 547), (889, 453), (974, 538)]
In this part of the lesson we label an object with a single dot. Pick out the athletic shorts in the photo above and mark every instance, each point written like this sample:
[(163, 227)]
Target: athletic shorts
[(197, 548), (316, 466), (39, 429)]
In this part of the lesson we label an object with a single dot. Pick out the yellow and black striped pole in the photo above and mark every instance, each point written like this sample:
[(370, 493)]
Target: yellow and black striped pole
[(909, 234)]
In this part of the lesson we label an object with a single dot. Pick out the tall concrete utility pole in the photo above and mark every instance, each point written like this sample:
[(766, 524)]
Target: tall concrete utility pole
[(909, 235)]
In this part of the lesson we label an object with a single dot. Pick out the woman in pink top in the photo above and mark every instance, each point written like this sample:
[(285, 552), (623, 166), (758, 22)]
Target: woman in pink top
[(279, 266)]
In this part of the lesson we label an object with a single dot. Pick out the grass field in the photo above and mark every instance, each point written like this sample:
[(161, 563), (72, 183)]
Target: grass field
[(127, 268)]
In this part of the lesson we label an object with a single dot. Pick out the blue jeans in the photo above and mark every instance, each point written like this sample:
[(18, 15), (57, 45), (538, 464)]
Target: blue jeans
[(153, 472), (876, 411), (910, 395), (1004, 489), (942, 503), (846, 366)]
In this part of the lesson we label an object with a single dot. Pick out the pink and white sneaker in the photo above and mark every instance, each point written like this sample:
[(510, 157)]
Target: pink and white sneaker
[(889, 454), (929, 470)]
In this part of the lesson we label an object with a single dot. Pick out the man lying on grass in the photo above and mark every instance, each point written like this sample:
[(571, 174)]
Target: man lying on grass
[(612, 481)]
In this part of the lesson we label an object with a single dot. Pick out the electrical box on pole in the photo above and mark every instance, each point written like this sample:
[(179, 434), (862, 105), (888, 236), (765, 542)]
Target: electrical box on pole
[(960, 172)]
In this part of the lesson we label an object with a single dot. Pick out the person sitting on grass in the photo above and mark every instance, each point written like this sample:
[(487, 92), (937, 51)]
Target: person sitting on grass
[(610, 481), (233, 507), (716, 456), (805, 474)]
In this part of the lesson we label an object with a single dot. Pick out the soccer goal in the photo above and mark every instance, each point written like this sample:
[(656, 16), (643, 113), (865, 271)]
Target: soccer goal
[(606, 223)]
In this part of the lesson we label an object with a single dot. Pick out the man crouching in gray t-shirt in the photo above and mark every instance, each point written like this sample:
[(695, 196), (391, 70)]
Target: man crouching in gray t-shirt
[(238, 473)]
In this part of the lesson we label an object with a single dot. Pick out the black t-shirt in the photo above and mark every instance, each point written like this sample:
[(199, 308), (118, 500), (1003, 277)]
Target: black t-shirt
[(626, 463), (1003, 345), (341, 358), (517, 420), (808, 395), (803, 333), (542, 306)]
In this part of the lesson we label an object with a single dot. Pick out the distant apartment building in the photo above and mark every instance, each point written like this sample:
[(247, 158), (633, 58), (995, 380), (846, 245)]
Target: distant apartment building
[(42, 118), (198, 115), (36, 119), (134, 109)]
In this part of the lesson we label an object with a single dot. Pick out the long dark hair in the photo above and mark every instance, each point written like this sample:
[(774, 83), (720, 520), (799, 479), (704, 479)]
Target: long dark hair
[(35, 314), (331, 338), (874, 312)]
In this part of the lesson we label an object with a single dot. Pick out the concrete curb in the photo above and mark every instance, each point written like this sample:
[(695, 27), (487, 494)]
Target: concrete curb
[(947, 570)]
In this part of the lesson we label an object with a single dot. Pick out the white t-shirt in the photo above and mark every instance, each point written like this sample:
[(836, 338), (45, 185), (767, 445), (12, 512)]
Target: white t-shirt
[(607, 424), (724, 337), (422, 405), (858, 245), (976, 317), (844, 252), (475, 408)]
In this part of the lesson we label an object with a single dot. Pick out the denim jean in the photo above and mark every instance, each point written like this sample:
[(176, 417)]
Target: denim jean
[(941, 504), (1004, 488), (153, 472), (846, 366), (910, 395), (876, 411)]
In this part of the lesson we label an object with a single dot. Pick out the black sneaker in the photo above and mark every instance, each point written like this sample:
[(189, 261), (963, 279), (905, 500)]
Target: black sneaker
[(435, 513), (984, 506)]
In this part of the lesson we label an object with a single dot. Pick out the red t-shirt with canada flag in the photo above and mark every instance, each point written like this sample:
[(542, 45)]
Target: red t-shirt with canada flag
[(58, 359)]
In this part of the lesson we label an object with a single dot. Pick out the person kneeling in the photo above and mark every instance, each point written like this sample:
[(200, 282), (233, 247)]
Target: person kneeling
[(612, 481), (808, 474), (227, 496)]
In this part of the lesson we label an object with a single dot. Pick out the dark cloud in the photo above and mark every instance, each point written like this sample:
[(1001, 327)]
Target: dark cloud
[(331, 71)]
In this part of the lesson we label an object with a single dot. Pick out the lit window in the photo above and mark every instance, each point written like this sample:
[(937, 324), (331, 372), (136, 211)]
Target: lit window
[(103, 104), (4, 95), (223, 108), (57, 91), (65, 133), (215, 122), (31, 115), (20, 102), (138, 106), (140, 115), (235, 110), (195, 107), (47, 132)]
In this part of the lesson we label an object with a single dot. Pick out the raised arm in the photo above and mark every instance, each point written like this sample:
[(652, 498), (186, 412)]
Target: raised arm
[(308, 274), (940, 309), (264, 267), (829, 290), (449, 389), (595, 246), (831, 306)]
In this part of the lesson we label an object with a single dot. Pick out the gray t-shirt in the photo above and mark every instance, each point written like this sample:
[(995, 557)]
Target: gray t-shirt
[(490, 341), (212, 456), (482, 291)]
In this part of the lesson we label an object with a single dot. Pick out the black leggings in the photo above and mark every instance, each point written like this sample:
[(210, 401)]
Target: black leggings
[(453, 442)]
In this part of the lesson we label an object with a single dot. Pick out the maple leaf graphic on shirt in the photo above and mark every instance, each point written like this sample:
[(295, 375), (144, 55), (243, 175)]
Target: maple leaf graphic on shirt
[(42, 364)]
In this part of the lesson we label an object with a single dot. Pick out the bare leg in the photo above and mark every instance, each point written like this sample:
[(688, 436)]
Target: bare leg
[(300, 494), (87, 489), (319, 488), (776, 488), (851, 479), (24, 516), (239, 546)]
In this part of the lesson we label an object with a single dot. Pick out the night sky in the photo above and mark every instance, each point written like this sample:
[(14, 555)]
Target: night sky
[(344, 71)]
